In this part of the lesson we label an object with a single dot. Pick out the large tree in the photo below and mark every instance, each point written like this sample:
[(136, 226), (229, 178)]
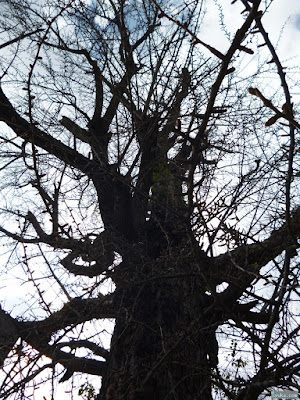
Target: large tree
[(149, 177)]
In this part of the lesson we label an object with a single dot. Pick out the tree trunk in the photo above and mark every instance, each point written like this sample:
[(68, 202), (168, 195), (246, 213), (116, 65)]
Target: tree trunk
[(163, 347)]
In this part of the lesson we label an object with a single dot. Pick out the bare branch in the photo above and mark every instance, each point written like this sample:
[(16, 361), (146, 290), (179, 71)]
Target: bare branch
[(20, 37), (31, 133), (77, 131)]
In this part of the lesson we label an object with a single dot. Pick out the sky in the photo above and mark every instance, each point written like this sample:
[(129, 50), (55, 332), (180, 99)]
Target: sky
[(282, 22)]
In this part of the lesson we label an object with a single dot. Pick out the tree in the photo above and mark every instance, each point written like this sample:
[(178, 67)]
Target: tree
[(150, 178)]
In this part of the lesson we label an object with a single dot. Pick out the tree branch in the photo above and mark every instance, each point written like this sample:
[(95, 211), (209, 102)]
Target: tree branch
[(77, 131), (74, 312), (89, 271), (74, 344), (32, 134), (185, 27), (20, 37), (38, 333), (8, 335), (253, 257)]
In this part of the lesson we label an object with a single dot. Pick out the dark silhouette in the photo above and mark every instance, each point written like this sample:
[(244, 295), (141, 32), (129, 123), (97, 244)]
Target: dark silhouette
[(135, 153)]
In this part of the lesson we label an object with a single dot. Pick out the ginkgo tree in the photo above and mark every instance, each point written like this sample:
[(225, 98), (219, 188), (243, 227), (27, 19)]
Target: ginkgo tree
[(148, 186)]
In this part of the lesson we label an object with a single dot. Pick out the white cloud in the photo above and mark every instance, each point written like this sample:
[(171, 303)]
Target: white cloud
[(282, 23)]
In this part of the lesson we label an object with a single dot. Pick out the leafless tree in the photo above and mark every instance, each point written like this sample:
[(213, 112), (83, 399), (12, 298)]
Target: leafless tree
[(148, 178)]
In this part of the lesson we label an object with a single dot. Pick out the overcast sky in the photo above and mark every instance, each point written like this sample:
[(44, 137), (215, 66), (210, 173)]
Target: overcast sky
[(283, 25), (283, 21)]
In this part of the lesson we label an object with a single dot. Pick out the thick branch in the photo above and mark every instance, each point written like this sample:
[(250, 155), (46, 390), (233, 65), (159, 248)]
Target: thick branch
[(250, 259), (33, 134), (8, 335), (89, 271), (99, 253), (77, 131), (149, 135), (241, 312), (69, 361), (82, 247), (38, 333), (74, 312), (77, 364), (75, 344), (256, 255), (118, 91)]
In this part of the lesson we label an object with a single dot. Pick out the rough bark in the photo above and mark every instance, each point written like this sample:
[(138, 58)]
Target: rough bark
[(164, 344)]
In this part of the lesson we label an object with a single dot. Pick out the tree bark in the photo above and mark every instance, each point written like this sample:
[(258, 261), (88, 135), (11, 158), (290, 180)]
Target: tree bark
[(163, 345), (8, 335)]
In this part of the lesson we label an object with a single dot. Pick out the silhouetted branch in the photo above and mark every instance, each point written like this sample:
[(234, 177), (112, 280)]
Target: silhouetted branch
[(8, 335), (20, 37)]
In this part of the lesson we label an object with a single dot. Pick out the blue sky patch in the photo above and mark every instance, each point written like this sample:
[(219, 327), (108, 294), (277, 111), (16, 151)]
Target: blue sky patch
[(297, 22)]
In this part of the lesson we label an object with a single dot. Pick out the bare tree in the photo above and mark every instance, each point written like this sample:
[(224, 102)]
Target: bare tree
[(150, 178)]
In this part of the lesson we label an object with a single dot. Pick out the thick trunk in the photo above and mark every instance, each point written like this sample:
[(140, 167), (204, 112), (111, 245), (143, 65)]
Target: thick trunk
[(162, 347)]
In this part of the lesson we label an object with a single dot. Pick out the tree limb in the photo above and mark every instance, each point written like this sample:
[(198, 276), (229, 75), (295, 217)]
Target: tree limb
[(75, 312), (89, 271), (77, 131), (253, 257), (74, 344), (20, 37), (38, 333), (33, 134), (8, 335)]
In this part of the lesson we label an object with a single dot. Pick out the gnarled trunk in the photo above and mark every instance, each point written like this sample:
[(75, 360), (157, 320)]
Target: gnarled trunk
[(164, 345)]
